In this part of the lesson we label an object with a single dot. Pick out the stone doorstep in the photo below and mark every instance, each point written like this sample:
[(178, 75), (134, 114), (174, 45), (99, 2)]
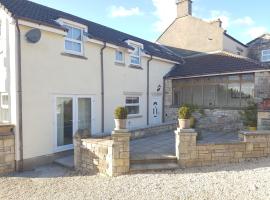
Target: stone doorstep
[(153, 167)]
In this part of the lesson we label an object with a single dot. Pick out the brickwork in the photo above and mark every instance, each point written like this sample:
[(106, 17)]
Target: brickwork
[(192, 154), (7, 153), (109, 156)]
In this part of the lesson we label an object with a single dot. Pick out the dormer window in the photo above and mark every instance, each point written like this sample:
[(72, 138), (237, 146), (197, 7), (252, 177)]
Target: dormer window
[(265, 55), (74, 40), (135, 57)]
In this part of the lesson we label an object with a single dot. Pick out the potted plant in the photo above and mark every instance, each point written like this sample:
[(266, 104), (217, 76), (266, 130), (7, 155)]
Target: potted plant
[(184, 117), (120, 115), (250, 116)]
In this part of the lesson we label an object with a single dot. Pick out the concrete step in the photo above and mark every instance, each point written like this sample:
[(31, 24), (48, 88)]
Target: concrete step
[(152, 167), (67, 162), (154, 160)]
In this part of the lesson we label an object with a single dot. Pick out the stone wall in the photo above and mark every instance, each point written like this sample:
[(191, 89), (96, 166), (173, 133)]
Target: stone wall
[(7, 153), (153, 130), (109, 156), (192, 154)]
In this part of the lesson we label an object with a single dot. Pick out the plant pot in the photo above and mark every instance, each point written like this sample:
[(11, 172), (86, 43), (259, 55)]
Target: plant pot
[(250, 128), (184, 123), (120, 124)]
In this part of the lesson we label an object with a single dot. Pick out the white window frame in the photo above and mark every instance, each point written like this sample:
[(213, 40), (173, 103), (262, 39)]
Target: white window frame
[(267, 52), (120, 61), (133, 104), (4, 106), (81, 42), (137, 56)]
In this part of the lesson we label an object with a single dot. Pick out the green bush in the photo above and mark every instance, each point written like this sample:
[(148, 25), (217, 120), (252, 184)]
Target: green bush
[(120, 113), (184, 112), (250, 115)]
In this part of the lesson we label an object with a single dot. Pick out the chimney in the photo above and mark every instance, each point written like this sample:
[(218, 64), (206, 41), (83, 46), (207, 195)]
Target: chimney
[(184, 8), (217, 23)]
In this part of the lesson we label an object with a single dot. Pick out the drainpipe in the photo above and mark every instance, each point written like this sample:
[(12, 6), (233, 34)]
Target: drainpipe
[(163, 100), (20, 120), (148, 85), (102, 85)]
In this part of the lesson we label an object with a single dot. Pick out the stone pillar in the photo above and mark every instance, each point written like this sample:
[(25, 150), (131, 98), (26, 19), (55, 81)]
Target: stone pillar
[(120, 153), (77, 141), (186, 140)]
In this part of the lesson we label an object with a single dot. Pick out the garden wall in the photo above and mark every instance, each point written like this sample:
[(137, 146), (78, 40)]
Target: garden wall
[(192, 154), (109, 156)]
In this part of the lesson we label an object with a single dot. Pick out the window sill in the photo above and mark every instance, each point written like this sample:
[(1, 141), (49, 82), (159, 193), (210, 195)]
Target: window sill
[(120, 63), (135, 66), (134, 116), (74, 55)]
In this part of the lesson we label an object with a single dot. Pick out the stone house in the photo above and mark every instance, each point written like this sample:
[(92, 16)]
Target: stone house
[(60, 73)]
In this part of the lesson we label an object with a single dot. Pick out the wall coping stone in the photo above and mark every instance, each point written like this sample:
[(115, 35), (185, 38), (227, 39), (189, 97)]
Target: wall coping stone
[(259, 132), (186, 132)]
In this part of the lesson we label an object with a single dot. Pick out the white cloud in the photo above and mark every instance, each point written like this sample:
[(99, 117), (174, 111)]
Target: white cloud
[(256, 31), (120, 11), (165, 11), (248, 21)]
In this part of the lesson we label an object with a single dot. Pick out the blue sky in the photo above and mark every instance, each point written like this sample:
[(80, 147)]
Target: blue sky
[(147, 19)]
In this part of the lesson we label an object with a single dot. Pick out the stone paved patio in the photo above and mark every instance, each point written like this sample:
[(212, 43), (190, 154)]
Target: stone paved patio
[(163, 145)]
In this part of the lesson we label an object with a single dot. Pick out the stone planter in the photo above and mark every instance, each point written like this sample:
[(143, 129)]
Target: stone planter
[(120, 124), (184, 123)]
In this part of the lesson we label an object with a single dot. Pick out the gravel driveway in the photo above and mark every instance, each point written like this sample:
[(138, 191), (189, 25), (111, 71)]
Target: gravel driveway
[(249, 180)]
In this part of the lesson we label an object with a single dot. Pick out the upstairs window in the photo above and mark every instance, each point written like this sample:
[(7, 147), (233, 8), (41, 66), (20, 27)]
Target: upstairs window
[(266, 55), (135, 58), (119, 56), (73, 40)]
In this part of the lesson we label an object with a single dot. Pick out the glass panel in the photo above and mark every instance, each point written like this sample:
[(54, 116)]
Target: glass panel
[(119, 56), (68, 45), (197, 95), (135, 60), (222, 91), (136, 51), (84, 114), (64, 112), (76, 47), (69, 33), (234, 94), (187, 95), (132, 100), (76, 34), (133, 110), (209, 98), (234, 78), (248, 77), (247, 93)]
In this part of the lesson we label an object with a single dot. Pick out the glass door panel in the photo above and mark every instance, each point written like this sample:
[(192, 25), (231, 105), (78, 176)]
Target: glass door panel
[(84, 114), (64, 114)]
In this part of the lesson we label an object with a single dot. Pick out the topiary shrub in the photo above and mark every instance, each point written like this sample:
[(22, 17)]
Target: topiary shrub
[(120, 113), (250, 115), (184, 112)]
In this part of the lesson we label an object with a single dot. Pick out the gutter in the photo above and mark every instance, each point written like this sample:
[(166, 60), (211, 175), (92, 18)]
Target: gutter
[(148, 85), (102, 84), (20, 120)]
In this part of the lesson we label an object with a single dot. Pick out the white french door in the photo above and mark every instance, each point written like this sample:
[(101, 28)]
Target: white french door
[(71, 114)]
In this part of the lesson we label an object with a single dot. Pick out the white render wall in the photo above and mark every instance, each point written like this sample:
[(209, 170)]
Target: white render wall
[(231, 46), (46, 73)]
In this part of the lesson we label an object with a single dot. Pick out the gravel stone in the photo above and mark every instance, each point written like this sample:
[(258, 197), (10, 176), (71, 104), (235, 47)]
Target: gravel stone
[(248, 180)]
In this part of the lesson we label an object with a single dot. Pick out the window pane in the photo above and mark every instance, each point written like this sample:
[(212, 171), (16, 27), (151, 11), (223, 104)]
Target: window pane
[(234, 78), (119, 56), (132, 100), (84, 114), (234, 94), (248, 77), (76, 47), (135, 60), (187, 95), (69, 33), (222, 91), (133, 110), (76, 34), (247, 93), (68, 45), (197, 95), (209, 97), (136, 51)]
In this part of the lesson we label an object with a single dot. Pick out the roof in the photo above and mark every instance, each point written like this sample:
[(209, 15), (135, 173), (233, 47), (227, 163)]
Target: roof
[(27, 10), (213, 64), (232, 38), (263, 35)]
